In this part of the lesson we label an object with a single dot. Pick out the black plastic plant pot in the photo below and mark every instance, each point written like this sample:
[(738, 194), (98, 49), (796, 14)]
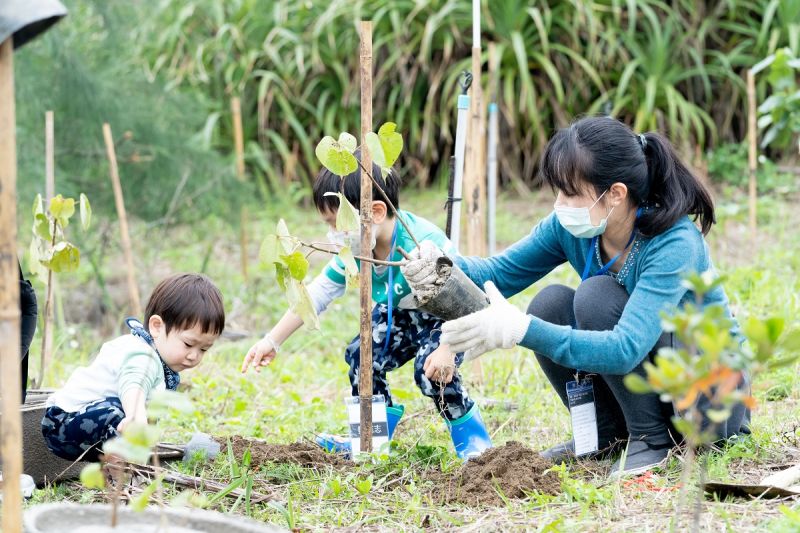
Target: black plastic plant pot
[(96, 518), (454, 294)]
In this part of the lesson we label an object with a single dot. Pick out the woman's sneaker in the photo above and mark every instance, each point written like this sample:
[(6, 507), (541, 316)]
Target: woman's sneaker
[(639, 457)]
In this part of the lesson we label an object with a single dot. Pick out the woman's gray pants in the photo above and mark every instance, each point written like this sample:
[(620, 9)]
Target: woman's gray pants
[(597, 305)]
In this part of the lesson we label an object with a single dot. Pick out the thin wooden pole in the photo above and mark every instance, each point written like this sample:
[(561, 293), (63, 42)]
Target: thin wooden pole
[(238, 136), (49, 192), (11, 446), (475, 187), (133, 289), (365, 363), (752, 153), (243, 240), (475, 193)]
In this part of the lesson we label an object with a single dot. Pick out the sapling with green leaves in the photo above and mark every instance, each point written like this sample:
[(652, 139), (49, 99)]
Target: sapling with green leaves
[(51, 252), (288, 254), (702, 375), (135, 445)]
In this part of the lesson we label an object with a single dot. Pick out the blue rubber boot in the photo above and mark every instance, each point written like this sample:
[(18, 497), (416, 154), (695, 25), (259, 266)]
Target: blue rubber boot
[(337, 444), (469, 434)]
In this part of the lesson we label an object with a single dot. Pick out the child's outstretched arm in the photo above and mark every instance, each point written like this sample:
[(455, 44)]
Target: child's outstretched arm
[(264, 351), (323, 290)]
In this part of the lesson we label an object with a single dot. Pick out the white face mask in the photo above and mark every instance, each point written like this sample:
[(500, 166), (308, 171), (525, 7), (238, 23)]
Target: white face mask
[(578, 220), (352, 239)]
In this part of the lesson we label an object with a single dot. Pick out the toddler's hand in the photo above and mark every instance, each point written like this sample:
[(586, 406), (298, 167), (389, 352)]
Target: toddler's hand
[(261, 354), (440, 366)]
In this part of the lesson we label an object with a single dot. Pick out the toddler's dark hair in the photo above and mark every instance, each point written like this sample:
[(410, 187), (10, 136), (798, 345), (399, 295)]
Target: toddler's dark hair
[(185, 300)]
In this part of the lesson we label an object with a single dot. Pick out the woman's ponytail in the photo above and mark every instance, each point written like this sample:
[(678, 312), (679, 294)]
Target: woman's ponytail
[(673, 191)]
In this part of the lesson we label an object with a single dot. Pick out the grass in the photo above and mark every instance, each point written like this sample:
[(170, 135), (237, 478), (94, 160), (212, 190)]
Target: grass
[(302, 392)]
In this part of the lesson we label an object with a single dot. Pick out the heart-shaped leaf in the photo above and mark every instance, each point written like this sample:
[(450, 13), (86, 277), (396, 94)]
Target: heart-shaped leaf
[(286, 240), (86, 212), (346, 215), (350, 266), (41, 227), (92, 476), (270, 250), (297, 265), (391, 142), (348, 142), (64, 257), (62, 209), (335, 157)]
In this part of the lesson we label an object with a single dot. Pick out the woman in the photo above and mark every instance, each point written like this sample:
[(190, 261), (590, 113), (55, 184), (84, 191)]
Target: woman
[(621, 219)]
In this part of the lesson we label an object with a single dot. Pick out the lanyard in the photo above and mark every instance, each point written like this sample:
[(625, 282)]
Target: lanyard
[(389, 291), (605, 268)]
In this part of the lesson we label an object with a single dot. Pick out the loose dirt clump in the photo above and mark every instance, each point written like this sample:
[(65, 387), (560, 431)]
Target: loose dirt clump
[(305, 454), (512, 469)]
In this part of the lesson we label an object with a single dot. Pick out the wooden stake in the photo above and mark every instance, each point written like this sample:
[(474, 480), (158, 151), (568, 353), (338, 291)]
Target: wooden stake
[(475, 188), (133, 289), (243, 241), (752, 153), (238, 136), (11, 446), (49, 192), (365, 281)]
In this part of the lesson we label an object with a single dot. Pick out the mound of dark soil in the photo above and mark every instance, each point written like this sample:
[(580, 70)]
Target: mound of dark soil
[(305, 454), (513, 470)]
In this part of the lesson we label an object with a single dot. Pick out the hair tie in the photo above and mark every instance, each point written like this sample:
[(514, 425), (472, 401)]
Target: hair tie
[(643, 141)]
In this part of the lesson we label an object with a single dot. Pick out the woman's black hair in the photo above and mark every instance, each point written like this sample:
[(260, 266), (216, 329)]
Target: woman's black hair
[(602, 151)]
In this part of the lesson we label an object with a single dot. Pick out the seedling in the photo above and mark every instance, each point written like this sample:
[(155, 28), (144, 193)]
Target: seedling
[(710, 364), (51, 252), (134, 445)]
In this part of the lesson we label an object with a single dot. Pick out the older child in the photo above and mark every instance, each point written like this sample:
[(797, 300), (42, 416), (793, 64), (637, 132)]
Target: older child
[(183, 318), (400, 332)]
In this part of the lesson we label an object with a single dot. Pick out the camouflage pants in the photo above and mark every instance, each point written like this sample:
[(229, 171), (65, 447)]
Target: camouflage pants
[(69, 435), (415, 335)]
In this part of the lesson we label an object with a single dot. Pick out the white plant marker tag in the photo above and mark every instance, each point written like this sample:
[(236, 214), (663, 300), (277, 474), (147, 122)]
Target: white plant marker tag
[(380, 426), (580, 395)]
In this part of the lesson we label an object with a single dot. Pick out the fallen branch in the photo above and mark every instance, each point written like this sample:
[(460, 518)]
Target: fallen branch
[(197, 483)]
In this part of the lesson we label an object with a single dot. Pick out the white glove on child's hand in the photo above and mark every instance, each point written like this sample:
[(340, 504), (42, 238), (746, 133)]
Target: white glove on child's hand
[(420, 270), (501, 325)]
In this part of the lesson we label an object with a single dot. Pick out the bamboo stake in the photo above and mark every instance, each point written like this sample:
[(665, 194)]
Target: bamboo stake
[(365, 282), (238, 137), (11, 445), (474, 194), (243, 241), (752, 153), (475, 187), (133, 289), (49, 192)]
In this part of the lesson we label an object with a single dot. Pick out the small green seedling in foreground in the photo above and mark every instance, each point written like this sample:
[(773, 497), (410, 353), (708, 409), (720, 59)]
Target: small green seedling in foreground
[(709, 367), (135, 446)]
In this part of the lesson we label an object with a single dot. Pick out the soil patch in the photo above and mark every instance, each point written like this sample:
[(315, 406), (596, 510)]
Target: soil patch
[(305, 454), (513, 470)]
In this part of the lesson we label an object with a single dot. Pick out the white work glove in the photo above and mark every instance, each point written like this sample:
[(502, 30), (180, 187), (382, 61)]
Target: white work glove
[(420, 270), (501, 325)]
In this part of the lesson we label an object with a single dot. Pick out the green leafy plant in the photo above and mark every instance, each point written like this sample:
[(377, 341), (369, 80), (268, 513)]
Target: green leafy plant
[(288, 254), (50, 250), (779, 114), (134, 445), (708, 367)]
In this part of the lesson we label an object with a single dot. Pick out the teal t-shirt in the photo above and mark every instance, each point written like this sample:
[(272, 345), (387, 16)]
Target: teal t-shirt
[(424, 231)]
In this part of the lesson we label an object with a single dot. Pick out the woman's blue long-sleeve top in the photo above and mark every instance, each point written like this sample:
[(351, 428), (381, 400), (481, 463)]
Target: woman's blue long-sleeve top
[(654, 284)]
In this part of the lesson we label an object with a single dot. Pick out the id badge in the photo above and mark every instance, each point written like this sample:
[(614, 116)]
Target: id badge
[(580, 396)]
